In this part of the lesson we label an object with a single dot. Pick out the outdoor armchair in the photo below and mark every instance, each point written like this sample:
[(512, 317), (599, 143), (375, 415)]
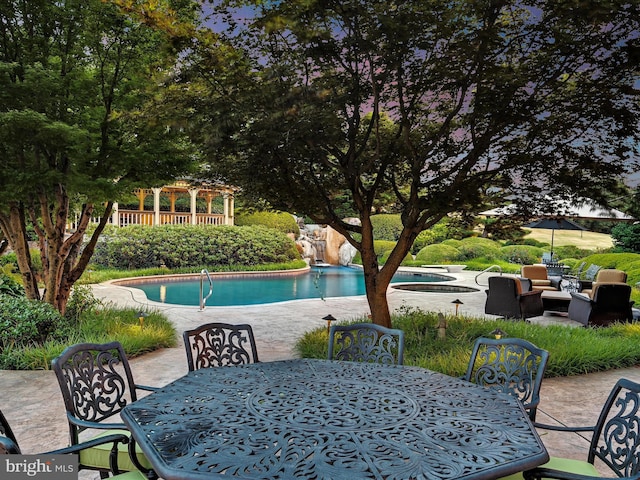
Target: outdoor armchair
[(220, 344), (511, 298), (510, 365), (540, 278), (610, 302), (366, 342), (606, 275), (9, 446), (96, 384)]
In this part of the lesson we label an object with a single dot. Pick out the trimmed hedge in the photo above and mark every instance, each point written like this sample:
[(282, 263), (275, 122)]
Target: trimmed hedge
[(183, 246), (281, 221), (438, 253)]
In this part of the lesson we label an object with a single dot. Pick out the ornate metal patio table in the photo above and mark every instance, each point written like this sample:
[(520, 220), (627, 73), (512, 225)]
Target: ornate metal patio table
[(319, 419)]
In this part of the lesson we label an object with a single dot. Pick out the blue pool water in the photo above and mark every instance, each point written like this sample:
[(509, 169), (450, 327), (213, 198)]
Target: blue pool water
[(253, 290)]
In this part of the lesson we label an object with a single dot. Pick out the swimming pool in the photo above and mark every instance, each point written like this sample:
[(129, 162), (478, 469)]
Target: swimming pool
[(255, 289)]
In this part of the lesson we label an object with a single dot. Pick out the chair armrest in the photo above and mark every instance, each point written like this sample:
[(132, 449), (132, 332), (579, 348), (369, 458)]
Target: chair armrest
[(532, 293), (97, 425), (581, 297), (94, 442), (113, 454), (555, 280), (585, 284), (563, 428), (146, 388)]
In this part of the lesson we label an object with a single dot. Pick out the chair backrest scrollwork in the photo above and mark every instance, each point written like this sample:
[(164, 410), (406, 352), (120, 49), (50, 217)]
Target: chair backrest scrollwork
[(511, 365), (220, 344), (96, 382), (616, 438), (366, 342)]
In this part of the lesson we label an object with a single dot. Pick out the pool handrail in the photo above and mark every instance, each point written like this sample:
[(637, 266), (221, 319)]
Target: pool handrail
[(486, 270), (203, 299)]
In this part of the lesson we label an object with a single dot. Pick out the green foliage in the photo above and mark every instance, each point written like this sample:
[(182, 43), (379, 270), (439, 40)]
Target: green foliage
[(438, 253), (386, 227), (522, 254), (573, 351), (25, 322), (528, 241), (452, 242), (182, 246), (570, 251), (435, 234), (10, 282), (481, 263), (626, 237), (98, 324), (473, 247), (86, 114), (104, 274), (281, 221), (297, 135), (81, 302)]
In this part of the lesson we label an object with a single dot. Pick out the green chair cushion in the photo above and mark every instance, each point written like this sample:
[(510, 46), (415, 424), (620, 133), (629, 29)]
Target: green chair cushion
[(565, 465), (98, 457)]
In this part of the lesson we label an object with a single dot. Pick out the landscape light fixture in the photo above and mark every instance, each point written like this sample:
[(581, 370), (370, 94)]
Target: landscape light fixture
[(141, 317), (457, 303), (498, 333), (329, 318)]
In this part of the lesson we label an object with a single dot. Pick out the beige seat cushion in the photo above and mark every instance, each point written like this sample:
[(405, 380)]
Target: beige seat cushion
[(611, 275), (534, 272)]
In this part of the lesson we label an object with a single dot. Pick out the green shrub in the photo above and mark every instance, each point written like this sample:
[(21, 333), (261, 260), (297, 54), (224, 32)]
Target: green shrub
[(435, 234), (528, 241), (82, 300), (626, 237), (522, 254), (437, 254), (386, 227), (26, 322), (474, 247), (183, 246), (571, 251), (281, 221), (452, 242)]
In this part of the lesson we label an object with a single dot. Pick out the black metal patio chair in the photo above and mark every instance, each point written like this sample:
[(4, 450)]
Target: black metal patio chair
[(220, 344), (366, 342), (9, 446), (511, 365), (615, 441), (96, 384)]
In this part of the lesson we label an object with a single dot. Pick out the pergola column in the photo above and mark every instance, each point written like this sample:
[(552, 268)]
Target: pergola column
[(156, 205), (193, 193), (115, 217), (228, 208)]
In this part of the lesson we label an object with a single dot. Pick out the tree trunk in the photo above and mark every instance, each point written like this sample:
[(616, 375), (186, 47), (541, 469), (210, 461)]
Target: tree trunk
[(14, 229), (377, 279)]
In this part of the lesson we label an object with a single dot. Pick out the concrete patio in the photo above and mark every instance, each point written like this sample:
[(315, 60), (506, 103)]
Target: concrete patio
[(32, 402)]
